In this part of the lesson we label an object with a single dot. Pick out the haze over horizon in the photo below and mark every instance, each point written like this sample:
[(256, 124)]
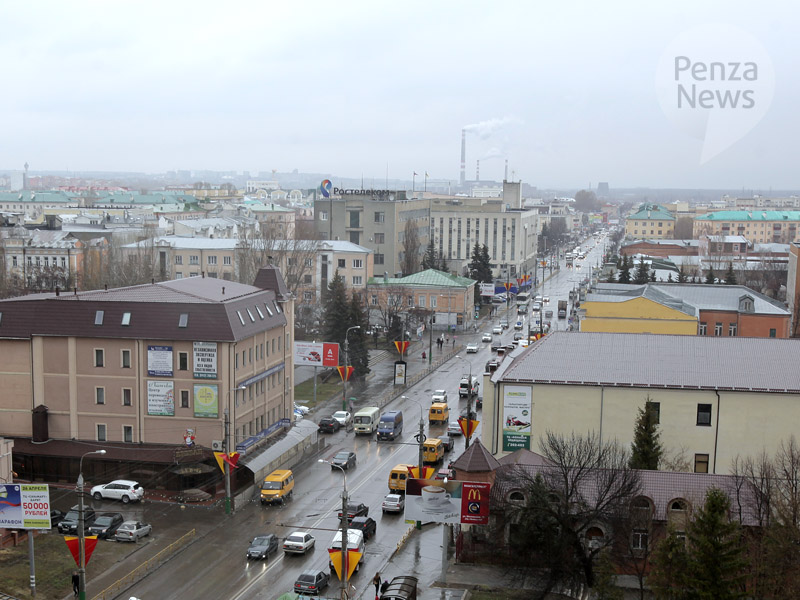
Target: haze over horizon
[(568, 94)]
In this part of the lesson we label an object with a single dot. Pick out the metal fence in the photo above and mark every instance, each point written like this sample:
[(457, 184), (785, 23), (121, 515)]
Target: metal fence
[(146, 567)]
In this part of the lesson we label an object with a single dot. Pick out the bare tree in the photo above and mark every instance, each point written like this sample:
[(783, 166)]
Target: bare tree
[(411, 245), (683, 228), (296, 258)]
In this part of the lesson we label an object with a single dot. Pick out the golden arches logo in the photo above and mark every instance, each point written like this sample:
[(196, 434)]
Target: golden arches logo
[(474, 494)]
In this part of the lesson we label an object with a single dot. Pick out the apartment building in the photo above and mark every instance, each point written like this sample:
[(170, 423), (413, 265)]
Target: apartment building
[(650, 221), (758, 226)]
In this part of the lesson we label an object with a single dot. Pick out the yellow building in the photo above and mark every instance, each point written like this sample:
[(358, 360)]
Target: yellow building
[(644, 310), (758, 226), (650, 221)]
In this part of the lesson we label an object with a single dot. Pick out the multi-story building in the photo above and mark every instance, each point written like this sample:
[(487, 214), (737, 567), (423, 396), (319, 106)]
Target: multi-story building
[(145, 367), (650, 221), (759, 226), (275, 220), (793, 288)]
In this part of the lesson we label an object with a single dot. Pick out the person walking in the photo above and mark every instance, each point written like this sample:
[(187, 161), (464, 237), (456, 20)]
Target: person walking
[(376, 581), (76, 583)]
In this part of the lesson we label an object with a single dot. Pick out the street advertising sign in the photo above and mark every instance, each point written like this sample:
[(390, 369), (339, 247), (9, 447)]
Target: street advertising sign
[(206, 400), (434, 501), (159, 361), (517, 417), (161, 398), (205, 360), (316, 354), (24, 506), (487, 289), (399, 372), (345, 372)]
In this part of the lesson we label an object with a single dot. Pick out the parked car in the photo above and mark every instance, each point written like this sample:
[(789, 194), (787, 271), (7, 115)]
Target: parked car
[(132, 531), (472, 347), (344, 459), (393, 503), (486, 337), (355, 509), (472, 414), (56, 516), (70, 522), (328, 425), (496, 345), (454, 428), (119, 489), (262, 546), (301, 408), (365, 525), (298, 542), (497, 330), (548, 314), (311, 581), (106, 525), (343, 417)]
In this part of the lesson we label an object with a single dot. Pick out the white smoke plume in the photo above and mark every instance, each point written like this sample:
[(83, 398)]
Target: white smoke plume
[(485, 129)]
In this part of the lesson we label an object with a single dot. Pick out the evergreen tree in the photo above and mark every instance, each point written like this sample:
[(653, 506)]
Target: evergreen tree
[(604, 587), (711, 279), (716, 561), (625, 271), (682, 275), (670, 279), (670, 565), (646, 450), (357, 354), (429, 258), (335, 310), (487, 262), (642, 272), (652, 275), (730, 276), (479, 266)]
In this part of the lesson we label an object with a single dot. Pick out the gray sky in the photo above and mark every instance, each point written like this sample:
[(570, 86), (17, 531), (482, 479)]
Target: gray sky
[(347, 87)]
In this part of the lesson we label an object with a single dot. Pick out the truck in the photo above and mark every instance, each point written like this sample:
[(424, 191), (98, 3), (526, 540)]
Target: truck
[(562, 309)]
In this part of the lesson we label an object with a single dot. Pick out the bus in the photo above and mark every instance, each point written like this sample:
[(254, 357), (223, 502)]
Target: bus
[(523, 303), (523, 297)]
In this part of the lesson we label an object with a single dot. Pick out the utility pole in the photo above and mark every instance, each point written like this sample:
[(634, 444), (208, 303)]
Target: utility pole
[(225, 444), (344, 375), (420, 437), (81, 531)]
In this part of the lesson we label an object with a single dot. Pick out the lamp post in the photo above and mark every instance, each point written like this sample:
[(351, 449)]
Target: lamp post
[(344, 527), (420, 439), (469, 403), (226, 447), (344, 375), (81, 532)]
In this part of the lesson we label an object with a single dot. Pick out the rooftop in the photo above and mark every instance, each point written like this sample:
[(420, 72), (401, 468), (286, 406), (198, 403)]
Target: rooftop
[(652, 211), (430, 277), (751, 215)]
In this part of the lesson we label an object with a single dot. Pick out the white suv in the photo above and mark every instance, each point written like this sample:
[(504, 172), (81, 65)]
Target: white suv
[(119, 489)]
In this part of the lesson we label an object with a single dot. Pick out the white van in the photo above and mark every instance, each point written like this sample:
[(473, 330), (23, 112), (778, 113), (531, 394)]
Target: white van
[(366, 420), (355, 541)]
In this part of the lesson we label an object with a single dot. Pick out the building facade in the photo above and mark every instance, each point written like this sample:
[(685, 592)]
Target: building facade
[(650, 221), (758, 226)]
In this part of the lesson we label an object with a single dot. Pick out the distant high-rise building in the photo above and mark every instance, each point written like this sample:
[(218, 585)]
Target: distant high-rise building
[(602, 188)]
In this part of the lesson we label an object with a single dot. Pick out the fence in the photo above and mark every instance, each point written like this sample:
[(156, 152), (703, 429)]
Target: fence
[(146, 567)]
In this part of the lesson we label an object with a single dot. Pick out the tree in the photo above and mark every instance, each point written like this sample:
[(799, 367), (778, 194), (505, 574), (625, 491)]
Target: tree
[(730, 276), (480, 269), (683, 228), (642, 272), (429, 259), (646, 448), (682, 274), (358, 354), (411, 244), (339, 314), (670, 566), (586, 201), (711, 279), (624, 271)]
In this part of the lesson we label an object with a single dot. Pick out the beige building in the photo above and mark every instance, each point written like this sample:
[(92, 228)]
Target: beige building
[(717, 397), (758, 226), (652, 222)]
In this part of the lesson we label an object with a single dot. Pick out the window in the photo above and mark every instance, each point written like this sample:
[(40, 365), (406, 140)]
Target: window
[(239, 314), (639, 539), (194, 259), (732, 330), (183, 361), (126, 396), (260, 314), (323, 215), (99, 395), (127, 433), (357, 280), (126, 319), (379, 259), (655, 410), (178, 259), (380, 216), (701, 463), (13, 261), (126, 359), (269, 310), (308, 296), (374, 300), (211, 260), (99, 357), (358, 263), (772, 333), (433, 301), (704, 414), (250, 355), (250, 314), (184, 398), (226, 260), (380, 238), (718, 329), (309, 262), (183, 321), (342, 263), (410, 300), (98, 317), (702, 329), (307, 279), (101, 432), (422, 301)]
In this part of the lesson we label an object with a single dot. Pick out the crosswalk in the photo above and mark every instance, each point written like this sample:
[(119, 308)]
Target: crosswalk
[(377, 356)]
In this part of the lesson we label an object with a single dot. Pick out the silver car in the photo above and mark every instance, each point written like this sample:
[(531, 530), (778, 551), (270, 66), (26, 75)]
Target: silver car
[(131, 531)]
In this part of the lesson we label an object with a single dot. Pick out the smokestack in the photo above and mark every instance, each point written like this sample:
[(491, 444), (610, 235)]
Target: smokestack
[(463, 155), (505, 177), (477, 170)]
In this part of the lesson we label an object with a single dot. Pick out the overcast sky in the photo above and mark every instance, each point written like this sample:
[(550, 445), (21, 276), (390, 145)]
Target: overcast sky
[(567, 91)]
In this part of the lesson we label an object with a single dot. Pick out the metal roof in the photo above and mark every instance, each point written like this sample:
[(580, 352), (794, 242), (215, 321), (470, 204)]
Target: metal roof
[(429, 277), (751, 215), (660, 361)]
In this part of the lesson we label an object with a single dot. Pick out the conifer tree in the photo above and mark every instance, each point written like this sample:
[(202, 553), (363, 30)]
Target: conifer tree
[(646, 449), (624, 271), (682, 275), (670, 565), (358, 355), (730, 276), (429, 258), (642, 272), (711, 279)]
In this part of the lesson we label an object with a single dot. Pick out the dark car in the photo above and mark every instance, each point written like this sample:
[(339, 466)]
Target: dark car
[(56, 516), (311, 582), (344, 459), (329, 425), (70, 522), (355, 509), (106, 525), (472, 414), (448, 443), (366, 525), (518, 335), (262, 546), (479, 402)]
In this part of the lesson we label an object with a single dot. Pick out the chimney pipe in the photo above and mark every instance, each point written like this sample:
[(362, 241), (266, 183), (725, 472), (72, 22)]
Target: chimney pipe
[(223, 290), (76, 291), (58, 291), (463, 154), (477, 170), (505, 177), (105, 286)]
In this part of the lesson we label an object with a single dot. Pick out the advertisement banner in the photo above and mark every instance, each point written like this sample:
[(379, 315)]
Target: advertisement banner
[(487, 289), (206, 401), (517, 417), (205, 360), (161, 398), (433, 501), (475, 503), (24, 506), (159, 361), (400, 372), (316, 354)]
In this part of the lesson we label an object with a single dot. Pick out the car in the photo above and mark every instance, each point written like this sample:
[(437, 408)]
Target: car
[(518, 326), (518, 335), (344, 459), (454, 428), (106, 525), (501, 350), (70, 523), (504, 323), (479, 402), (132, 531), (472, 347), (473, 414), (344, 417), (311, 582), (301, 408), (447, 442), (355, 509), (447, 472), (497, 330), (56, 516), (328, 425), (499, 299), (546, 300), (393, 503), (537, 306), (365, 525), (548, 314), (119, 489), (298, 542), (262, 546), (486, 337), (439, 396)]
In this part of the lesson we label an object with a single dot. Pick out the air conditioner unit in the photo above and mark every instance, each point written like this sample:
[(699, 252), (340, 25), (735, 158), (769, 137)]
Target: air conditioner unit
[(216, 445)]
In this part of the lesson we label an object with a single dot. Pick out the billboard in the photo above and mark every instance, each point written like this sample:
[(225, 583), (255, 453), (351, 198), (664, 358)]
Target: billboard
[(487, 289), (434, 501), (399, 372), (161, 398), (24, 506), (316, 354), (159, 361), (205, 360), (206, 401), (517, 417)]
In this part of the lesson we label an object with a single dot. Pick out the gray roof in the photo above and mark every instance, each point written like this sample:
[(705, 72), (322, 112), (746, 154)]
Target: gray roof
[(616, 292), (660, 361)]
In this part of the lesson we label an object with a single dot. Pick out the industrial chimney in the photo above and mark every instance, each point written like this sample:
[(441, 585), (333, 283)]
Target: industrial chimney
[(505, 177), (477, 170), (463, 155)]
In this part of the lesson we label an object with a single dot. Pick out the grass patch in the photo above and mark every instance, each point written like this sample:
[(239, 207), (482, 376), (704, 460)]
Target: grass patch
[(499, 594), (54, 566), (304, 392)]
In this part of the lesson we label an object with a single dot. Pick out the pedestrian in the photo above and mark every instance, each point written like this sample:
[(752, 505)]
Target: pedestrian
[(384, 586), (76, 583), (454, 342), (377, 582)]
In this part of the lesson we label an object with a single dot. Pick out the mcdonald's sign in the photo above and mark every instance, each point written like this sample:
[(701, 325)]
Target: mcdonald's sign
[(434, 501), (475, 503)]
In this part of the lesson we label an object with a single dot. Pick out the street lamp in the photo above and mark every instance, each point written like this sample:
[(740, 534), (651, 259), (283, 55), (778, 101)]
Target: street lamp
[(226, 449), (344, 375), (469, 403), (420, 439), (345, 560), (81, 532)]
